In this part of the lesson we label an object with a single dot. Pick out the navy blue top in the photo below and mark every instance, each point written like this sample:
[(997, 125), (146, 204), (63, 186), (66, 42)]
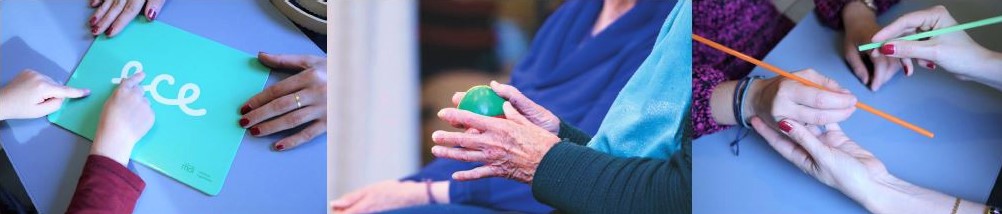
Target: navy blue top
[(572, 73)]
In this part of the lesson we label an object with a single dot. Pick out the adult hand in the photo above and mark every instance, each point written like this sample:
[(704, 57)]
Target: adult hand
[(779, 98), (111, 16), (126, 118), (386, 195), (510, 148), (295, 101), (532, 111), (860, 24), (832, 158), (32, 95), (956, 52)]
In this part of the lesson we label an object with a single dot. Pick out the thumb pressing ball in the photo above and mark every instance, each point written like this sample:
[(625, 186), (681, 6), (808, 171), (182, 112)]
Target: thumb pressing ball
[(482, 100)]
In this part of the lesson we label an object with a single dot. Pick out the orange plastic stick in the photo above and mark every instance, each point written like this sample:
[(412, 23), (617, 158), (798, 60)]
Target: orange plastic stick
[(772, 68)]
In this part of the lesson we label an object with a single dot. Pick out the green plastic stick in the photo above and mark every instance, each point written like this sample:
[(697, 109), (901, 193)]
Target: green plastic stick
[(937, 32)]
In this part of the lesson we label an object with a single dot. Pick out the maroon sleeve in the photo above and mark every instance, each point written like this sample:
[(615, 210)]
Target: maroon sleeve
[(830, 11), (106, 187)]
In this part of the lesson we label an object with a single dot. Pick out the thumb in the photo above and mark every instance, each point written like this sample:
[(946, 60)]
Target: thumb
[(346, 201), (803, 136), (61, 91), (47, 107), (288, 62), (910, 49), (512, 114), (513, 95), (457, 98)]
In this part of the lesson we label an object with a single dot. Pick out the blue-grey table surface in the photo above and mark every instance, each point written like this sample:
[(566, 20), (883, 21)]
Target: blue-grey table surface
[(52, 36), (962, 160)]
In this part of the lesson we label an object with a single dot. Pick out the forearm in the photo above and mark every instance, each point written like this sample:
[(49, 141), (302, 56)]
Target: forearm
[(722, 102), (577, 179), (105, 186), (3, 109), (990, 73), (572, 134), (830, 12), (893, 195), (112, 147), (704, 81), (440, 191)]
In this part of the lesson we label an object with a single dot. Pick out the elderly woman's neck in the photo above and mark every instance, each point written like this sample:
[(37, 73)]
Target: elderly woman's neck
[(611, 11)]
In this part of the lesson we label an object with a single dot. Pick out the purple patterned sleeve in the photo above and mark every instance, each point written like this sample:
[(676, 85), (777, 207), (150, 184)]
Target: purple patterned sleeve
[(729, 23), (830, 11), (704, 79)]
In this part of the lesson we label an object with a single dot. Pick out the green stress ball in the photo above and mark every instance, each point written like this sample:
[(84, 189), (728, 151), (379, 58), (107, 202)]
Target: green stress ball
[(482, 100)]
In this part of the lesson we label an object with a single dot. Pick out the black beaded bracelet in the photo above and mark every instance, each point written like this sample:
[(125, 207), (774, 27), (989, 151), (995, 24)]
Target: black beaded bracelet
[(744, 93), (736, 104)]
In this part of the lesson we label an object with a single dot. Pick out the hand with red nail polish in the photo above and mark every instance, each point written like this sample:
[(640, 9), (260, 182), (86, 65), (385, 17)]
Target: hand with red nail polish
[(112, 16), (32, 95), (860, 24), (300, 100), (125, 119), (778, 98), (833, 159), (955, 52)]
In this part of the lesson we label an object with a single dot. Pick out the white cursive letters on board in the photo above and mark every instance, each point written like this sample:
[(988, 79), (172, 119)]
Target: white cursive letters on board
[(181, 101)]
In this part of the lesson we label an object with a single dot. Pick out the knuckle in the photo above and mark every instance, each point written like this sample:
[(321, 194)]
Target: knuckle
[(819, 98), (820, 118), (283, 103)]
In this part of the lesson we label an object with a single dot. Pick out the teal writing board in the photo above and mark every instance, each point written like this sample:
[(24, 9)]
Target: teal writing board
[(195, 87)]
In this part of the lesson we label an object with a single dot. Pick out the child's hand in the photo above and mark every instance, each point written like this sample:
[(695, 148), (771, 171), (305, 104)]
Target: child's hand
[(125, 119), (111, 16), (33, 95)]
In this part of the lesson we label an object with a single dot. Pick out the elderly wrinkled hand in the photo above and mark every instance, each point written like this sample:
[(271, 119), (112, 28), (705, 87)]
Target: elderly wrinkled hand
[(510, 148), (529, 109)]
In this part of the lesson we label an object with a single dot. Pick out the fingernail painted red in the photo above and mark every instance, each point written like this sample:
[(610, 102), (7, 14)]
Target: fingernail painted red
[(154, 16), (92, 19), (244, 121), (279, 147), (931, 65), (255, 131), (887, 49), (245, 109), (785, 126)]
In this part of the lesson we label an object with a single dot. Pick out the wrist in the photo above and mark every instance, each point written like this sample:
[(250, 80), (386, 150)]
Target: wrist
[(3, 108), (440, 191), (112, 146), (857, 13), (748, 110), (888, 194), (721, 103)]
